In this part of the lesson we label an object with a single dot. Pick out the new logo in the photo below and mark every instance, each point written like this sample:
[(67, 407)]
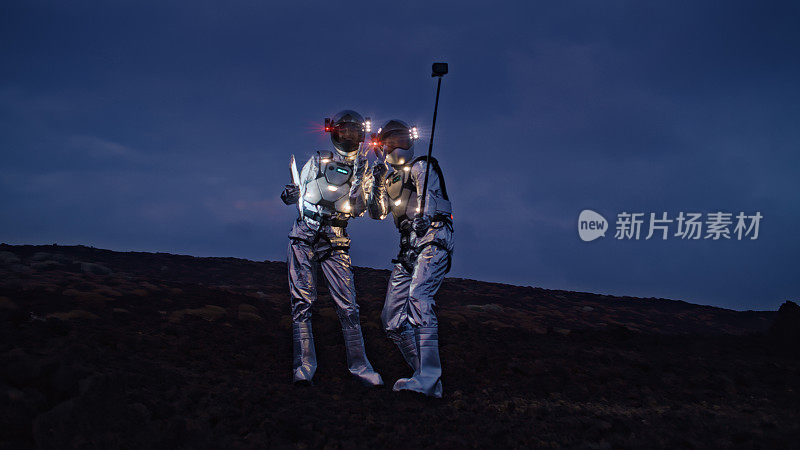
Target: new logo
[(591, 225)]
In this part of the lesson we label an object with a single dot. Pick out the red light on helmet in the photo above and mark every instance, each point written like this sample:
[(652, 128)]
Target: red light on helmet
[(373, 140), (328, 126)]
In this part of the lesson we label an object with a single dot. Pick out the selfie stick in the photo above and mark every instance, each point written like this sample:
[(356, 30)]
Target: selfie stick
[(438, 70)]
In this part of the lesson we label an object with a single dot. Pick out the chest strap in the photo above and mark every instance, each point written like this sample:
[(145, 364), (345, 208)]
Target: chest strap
[(324, 219)]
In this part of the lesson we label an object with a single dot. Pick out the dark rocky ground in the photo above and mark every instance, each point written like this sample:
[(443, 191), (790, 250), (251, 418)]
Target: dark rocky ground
[(109, 349)]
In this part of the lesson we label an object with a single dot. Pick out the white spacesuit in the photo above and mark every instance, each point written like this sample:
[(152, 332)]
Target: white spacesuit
[(330, 192), (426, 247)]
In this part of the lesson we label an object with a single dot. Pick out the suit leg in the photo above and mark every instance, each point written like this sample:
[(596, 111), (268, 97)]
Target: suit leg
[(303, 291), (339, 275)]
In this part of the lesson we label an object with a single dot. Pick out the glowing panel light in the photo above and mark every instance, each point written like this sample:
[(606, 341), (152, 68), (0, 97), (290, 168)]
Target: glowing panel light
[(332, 188), (397, 203), (368, 124), (326, 160), (346, 206), (406, 168), (414, 133)]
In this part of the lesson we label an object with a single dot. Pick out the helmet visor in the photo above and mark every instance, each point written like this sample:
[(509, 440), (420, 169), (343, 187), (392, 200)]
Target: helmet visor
[(348, 131), (396, 139), (347, 136)]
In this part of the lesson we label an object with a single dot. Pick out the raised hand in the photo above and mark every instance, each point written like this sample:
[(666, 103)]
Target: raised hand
[(379, 171), (290, 194)]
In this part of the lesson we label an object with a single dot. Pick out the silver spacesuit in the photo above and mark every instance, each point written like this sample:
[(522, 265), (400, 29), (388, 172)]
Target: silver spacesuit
[(426, 247), (330, 192)]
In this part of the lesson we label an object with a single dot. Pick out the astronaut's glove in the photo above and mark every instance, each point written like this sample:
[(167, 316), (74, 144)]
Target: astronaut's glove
[(361, 163), (290, 194), (380, 153), (379, 171), (421, 224)]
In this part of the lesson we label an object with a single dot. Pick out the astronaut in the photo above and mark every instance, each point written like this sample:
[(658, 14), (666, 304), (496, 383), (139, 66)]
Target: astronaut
[(426, 247), (329, 192)]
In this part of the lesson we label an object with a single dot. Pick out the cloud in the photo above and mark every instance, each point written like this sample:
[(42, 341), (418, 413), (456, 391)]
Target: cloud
[(99, 147)]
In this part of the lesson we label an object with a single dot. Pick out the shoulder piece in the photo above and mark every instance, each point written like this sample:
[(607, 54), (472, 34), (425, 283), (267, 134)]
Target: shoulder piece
[(435, 165)]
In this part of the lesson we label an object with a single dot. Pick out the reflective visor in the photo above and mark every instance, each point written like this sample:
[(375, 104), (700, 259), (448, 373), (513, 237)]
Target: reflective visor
[(348, 132), (396, 139)]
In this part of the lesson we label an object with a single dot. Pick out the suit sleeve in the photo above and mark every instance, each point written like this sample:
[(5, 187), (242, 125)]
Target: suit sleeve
[(358, 198), (308, 173), (378, 199), (434, 187)]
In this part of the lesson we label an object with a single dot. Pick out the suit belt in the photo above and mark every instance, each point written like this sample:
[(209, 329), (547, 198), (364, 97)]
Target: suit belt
[(324, 219)]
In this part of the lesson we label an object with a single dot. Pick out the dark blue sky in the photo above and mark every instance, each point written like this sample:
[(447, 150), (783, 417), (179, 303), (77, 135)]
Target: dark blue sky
[(167, 126)]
